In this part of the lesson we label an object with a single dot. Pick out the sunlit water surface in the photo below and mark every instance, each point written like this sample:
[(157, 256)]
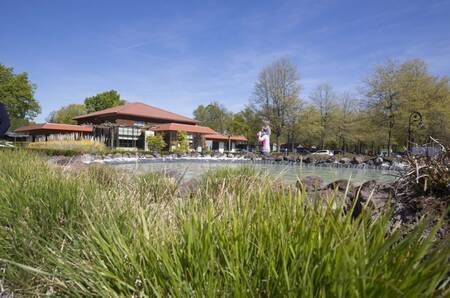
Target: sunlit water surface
[(286, 173)]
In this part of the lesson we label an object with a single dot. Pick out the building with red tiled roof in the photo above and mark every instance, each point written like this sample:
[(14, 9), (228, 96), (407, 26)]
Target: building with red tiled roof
[(184, 127), (221, 142), (43, 130), (131, 113), (220, 137), (49, 128), (129, 125)]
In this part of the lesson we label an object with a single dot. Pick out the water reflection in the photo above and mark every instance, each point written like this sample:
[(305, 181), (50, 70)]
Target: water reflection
[(287, 173)]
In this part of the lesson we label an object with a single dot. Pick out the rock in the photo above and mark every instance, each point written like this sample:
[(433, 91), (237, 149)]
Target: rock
[(370, 162), (330, 198), (357, 160), (340, 185), (385, 165), (61, 160), (378, 161), (331, 159), (345, 160), (117, 155), (308, 160), (250, 155), (378, 194), (310, 183), (87, 158)]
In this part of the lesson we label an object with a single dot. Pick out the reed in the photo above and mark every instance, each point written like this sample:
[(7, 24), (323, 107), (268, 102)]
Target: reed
[(79, 146)]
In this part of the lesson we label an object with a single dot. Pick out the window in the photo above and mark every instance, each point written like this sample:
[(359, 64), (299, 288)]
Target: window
[(129, 133)]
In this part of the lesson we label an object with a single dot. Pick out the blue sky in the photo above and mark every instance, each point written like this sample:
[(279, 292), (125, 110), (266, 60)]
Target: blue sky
[(177, 55)]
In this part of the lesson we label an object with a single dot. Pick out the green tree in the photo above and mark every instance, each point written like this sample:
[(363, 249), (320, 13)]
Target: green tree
[(384, 99), (247, 123), (17, 93), (396, 89), (276, 94), (214, 116), (308, 128), (182, 145), (67, 113), (156, 143), (103, 101)]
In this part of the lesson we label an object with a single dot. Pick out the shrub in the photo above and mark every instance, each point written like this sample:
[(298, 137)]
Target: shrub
[(182, 145), (77, 146), (156, 143)]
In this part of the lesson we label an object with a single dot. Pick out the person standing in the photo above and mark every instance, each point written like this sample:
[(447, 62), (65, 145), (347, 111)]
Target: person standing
[(264, 139)]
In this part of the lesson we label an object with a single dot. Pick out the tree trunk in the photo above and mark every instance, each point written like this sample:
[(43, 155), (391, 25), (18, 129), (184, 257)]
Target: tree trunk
[(389, 142), (278, 142)]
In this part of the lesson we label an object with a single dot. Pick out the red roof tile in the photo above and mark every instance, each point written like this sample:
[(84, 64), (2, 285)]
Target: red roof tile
[(183, 127), (54, 127), (225, 138), (138, 109)]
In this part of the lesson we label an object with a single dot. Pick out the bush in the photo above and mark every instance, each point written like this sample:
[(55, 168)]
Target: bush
[(156, 143), (182, 145), (76, 146), (98, 232)]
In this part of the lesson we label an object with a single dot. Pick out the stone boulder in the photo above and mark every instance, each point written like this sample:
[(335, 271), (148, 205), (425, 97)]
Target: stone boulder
[(340, 185), (357, 160), (345, 160), (378, 194), (117, 155), (310, 183), (250, 155), (378, 161), (308, 160)]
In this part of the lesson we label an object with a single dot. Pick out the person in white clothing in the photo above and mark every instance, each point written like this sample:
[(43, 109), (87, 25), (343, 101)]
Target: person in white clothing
[(264, 139)]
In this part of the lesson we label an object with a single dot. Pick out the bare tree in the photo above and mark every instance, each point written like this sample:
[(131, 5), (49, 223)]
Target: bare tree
[(276, 94), (324, 99), (347, 107), (383, 99)]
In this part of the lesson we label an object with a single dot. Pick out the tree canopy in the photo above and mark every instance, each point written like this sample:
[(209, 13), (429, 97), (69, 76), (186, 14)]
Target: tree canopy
[(67, 113), (276, 95), (214, 116), (103, 100), (376, 117), (17, 93)]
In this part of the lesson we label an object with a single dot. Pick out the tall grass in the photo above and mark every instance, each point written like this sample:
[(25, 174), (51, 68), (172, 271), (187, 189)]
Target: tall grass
[(103, 233), (80, 146)]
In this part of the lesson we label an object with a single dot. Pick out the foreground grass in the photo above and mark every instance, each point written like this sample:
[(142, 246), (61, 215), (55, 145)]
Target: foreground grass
[(98, 232)]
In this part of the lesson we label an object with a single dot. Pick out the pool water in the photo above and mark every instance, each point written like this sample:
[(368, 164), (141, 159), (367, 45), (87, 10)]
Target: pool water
[(286, 173)]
